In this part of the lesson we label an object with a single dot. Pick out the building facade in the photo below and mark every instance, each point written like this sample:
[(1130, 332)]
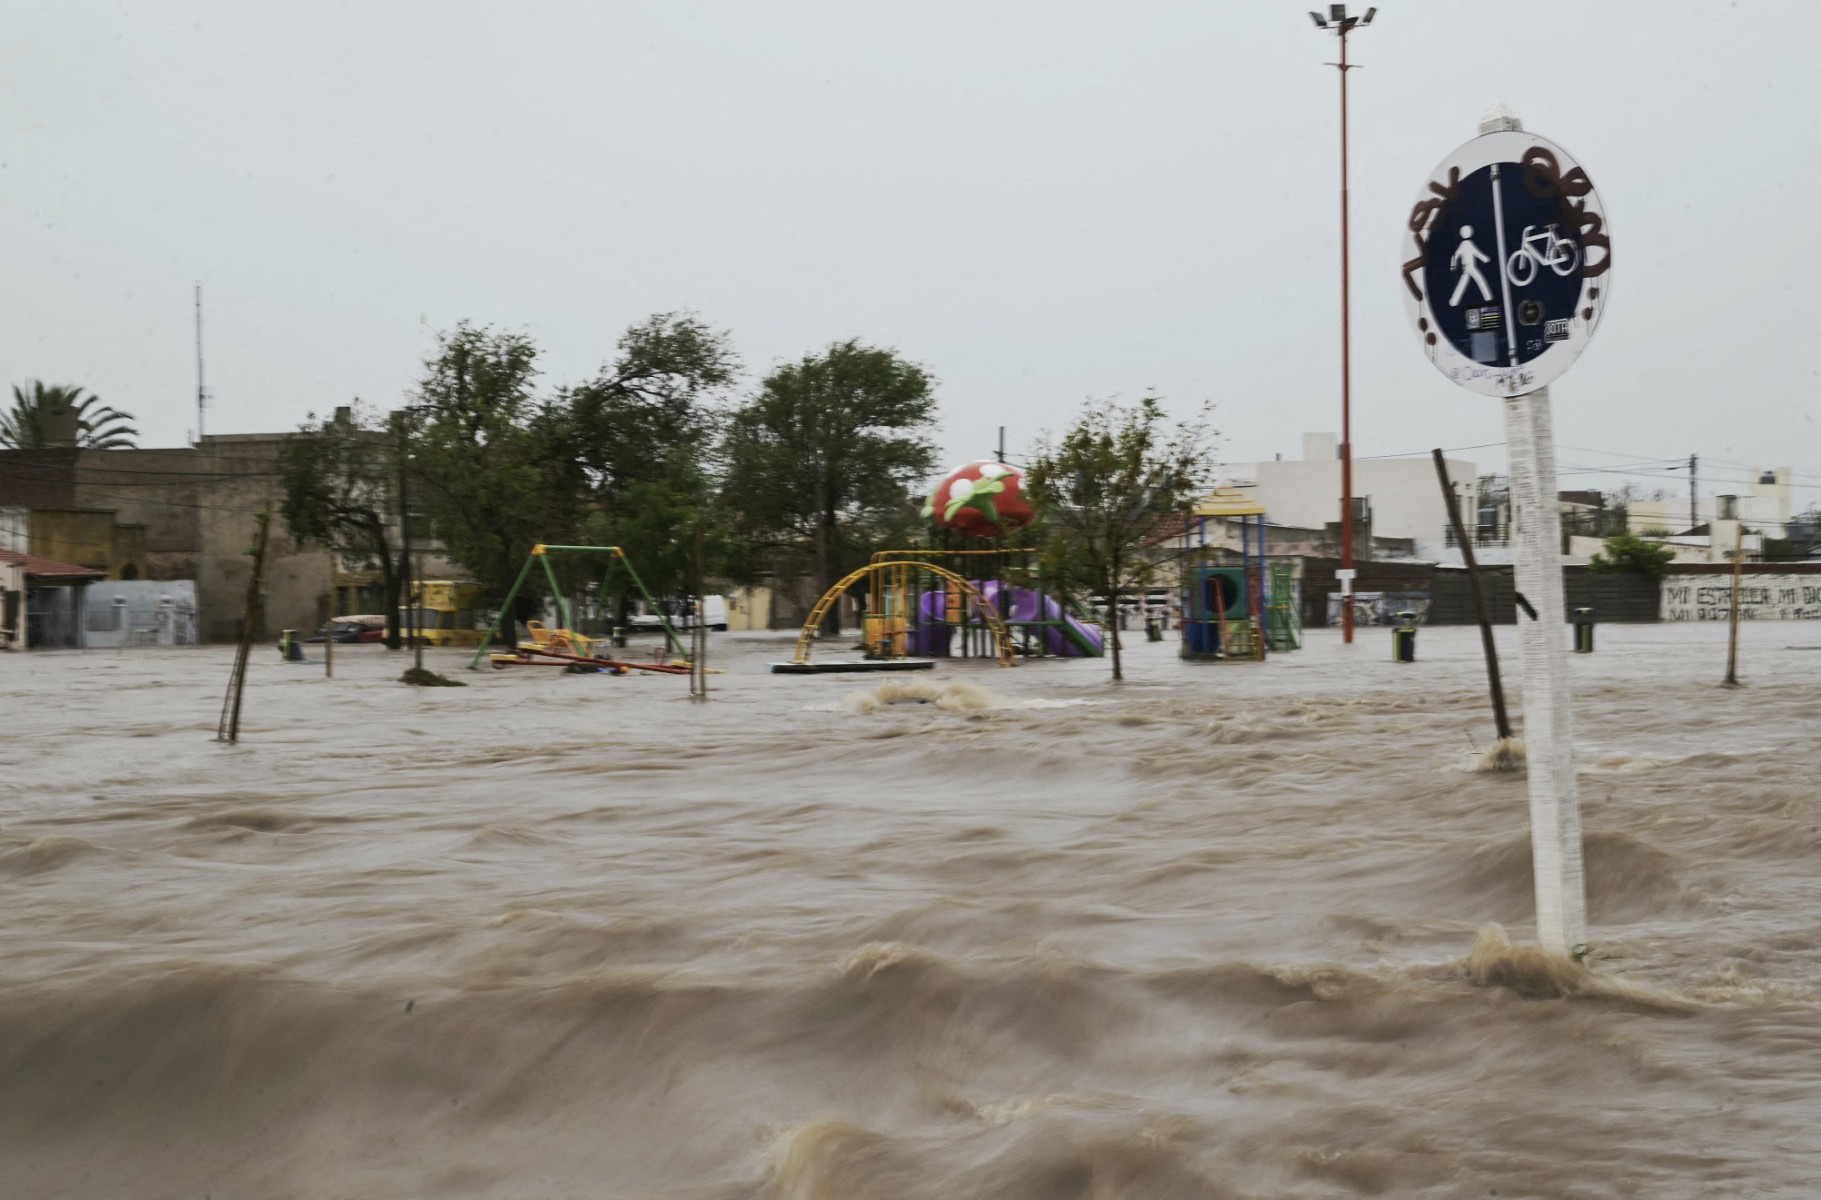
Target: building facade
[(185, 514), (1394, 497)]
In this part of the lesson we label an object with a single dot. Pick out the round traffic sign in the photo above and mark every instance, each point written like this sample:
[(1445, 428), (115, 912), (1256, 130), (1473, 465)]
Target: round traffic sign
[(1507, 263)]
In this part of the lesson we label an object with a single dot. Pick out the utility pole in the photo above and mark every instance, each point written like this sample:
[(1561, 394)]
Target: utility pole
[(1001, 457), (1342, 25), (1501, 721), (404, 543), (1732, 644), (1694, 512), (201, 392), (328, 641), (698, 642), (228, 728)]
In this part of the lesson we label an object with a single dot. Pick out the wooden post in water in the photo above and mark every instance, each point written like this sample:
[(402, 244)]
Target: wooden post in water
[(1493, 683), (1732, 645), (328, 641), (698, 643), (228, 728)]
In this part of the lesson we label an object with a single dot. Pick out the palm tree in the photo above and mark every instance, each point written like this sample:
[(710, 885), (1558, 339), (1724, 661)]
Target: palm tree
[(98, 427)]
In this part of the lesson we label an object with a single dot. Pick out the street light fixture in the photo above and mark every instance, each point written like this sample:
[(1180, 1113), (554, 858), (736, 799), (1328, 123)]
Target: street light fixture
[(1342, 25)]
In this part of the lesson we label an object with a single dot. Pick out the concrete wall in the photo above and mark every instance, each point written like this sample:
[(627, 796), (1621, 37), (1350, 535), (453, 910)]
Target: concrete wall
[(1767, 592), (12, 605), (90, 538), (749, 609), (16, 529), (141, 613), (163, 491), (38, 478)]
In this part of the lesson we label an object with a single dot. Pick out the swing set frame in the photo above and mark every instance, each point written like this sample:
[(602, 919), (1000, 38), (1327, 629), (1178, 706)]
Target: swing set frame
[(541, 553)]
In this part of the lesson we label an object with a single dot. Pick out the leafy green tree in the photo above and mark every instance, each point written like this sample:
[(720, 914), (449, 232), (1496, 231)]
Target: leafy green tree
[(821, 461), (1108, 490), (642, 438), (1630, 554), (488, 465), (655, 522), (649, 411), (339, 478), (27, 425)]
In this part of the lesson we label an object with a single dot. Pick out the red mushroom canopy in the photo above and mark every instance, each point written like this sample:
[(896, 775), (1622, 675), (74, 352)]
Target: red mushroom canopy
[(983, 499)]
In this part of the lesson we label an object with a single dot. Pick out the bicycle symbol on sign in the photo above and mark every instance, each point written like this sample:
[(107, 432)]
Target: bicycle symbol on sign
[(1541, 248)]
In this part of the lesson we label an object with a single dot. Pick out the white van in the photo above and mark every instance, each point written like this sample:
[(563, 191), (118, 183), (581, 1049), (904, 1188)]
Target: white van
[(682, 615)]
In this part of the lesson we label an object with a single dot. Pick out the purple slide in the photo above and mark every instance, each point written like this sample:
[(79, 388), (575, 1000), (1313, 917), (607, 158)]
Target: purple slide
[(1070, 638)]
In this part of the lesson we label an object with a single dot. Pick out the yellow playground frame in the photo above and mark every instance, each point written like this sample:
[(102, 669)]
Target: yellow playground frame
[(890, 597)]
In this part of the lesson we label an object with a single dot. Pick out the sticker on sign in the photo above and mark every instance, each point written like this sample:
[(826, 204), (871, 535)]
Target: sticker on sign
[(1508, 223)]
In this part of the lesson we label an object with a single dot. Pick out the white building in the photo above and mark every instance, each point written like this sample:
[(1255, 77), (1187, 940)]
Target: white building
[(1401, 495), (1764, 508)]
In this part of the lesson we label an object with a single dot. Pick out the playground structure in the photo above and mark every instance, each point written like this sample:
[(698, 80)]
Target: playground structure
[(944, 600), (947, 600), (563, 647), (1228, 613), (895, 600), (918, 607)]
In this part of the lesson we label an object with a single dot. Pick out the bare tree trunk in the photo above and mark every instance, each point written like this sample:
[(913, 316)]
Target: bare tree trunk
[(825, 541), (394, 581), (1112, 595)]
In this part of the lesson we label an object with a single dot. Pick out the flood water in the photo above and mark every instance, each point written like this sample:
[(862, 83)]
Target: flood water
[(1207, 934)]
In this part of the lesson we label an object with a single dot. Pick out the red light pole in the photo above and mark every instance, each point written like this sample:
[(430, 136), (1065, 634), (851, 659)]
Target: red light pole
[(1342, 24)]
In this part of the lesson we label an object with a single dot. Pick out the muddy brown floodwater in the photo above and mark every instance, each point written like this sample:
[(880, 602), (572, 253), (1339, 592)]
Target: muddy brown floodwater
[(1215, 933)]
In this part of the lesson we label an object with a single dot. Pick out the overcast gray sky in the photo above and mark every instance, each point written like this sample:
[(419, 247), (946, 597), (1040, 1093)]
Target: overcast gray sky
[(1041, 201)]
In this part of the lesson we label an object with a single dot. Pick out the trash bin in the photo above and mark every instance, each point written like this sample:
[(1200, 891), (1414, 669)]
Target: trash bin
[(289, 648), (1403, 638), (1583, 631), (619, 637)]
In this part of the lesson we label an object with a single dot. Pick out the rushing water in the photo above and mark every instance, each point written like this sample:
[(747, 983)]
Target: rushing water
[(1214, 933)]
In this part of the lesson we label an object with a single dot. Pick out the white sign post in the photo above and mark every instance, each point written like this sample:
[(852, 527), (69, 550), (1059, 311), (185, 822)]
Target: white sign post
[(1555, 801), (1507, 273)]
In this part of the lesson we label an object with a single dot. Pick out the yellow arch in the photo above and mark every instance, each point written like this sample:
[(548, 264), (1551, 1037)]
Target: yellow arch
[(879, 571)]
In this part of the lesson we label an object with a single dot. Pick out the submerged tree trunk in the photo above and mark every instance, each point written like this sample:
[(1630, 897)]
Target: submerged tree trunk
[(825, 573), (1112, 595), (395, 586), (388, 586)]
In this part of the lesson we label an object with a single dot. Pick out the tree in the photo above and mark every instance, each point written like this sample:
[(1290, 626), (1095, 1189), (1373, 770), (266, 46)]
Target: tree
[(1629, 554), (642, 437), (488, 466), (655, 521), (649, 410), (822, 460), (339, 480), (1107, 490), (27, 426)]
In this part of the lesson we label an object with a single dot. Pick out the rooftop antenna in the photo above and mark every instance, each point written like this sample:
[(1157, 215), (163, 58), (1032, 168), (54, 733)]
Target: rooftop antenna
[(201, 392)]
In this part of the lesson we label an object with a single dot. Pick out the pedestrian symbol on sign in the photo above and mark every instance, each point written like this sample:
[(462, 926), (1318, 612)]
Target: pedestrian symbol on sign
[(1506, 263), (1467, 260)]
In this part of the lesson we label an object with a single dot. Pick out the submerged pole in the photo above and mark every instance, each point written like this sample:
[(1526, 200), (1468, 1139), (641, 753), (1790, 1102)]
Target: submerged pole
[(1501, 720)]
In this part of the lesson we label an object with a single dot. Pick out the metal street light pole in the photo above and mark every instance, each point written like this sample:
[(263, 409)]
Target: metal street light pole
[(1342, 25)]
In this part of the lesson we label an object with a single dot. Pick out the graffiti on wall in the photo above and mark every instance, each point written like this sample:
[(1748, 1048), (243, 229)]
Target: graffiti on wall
[(1380, 608), (1761, 598)]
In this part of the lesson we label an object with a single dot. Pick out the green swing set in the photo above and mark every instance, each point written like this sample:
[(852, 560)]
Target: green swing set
[(565, 644)]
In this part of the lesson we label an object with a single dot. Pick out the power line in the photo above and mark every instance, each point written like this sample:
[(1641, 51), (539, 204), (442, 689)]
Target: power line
[(1426, 453)]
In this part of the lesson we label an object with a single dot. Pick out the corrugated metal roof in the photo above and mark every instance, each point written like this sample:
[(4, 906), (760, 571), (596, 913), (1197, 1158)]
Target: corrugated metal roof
[(49, 568)]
